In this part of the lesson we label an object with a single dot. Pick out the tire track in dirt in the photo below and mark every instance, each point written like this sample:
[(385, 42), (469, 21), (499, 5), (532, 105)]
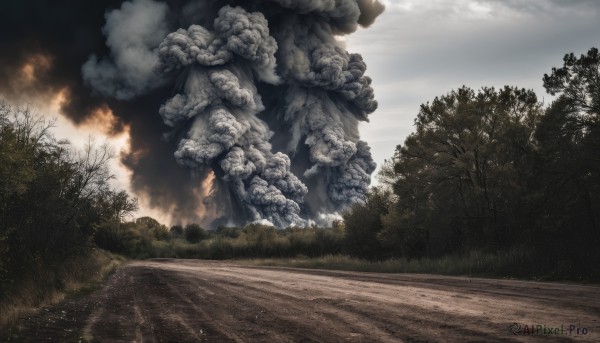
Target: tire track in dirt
[(209, 301), (424, 302), (499, 309), (252, 319)]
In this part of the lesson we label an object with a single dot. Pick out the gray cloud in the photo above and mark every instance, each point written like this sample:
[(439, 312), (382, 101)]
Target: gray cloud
[(544, 6), (210, 137), (369, 11), (236, 32), (198, 94), (132, 33), (351, 180)]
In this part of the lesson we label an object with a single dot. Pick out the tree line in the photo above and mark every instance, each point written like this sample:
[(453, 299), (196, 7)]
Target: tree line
[(493, 170), (146, 238)]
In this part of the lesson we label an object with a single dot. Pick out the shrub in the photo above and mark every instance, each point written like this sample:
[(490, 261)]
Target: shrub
[(113, 236), (194, 233), (176, 230)]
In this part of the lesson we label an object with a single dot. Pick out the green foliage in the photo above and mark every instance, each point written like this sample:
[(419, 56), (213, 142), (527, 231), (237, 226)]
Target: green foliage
[(52, 198), (194, 233), (115, 206), (568, 167), (513, 263), (228, 231), (578, 82), (176, 230), (112, 233), (492, 170), (254, 240), (364, 223), (151, 227), (461, 178), (114, 236), (45, 284)]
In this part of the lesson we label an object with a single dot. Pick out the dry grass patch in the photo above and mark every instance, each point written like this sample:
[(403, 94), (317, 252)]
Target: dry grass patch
[(45, 287)]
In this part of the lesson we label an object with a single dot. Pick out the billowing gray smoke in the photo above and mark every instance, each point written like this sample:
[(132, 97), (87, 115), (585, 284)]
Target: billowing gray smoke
[(265, 96)]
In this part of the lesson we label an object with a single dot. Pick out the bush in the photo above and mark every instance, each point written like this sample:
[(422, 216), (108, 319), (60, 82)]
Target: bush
[(364, 223), (114, 236), (176, 230), (194, 233), (229, 231)]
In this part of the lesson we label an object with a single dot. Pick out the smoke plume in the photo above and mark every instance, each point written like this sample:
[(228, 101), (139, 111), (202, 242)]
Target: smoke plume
[(258, 97), (131, 33), (221, 67)]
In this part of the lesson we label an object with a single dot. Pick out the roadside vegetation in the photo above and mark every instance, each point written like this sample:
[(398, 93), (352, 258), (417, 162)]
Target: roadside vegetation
[(47, 285), (147, 238), (514, 264), (52, 200)]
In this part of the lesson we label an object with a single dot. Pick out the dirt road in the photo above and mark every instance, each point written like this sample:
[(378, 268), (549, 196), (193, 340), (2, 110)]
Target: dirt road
[(204, 301)]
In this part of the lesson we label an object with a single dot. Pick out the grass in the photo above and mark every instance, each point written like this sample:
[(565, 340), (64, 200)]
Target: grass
[(219, 248), (521, 263), (44, 287), (510, 264)]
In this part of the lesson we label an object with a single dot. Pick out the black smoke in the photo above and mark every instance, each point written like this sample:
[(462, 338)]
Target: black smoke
[(259, 92)]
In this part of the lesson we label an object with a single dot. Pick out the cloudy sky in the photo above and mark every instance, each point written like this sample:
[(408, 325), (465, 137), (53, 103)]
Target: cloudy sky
[(415, 51)]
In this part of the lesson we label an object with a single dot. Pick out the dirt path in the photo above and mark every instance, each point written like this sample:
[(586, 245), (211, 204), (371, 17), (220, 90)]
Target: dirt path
[(197, 301)]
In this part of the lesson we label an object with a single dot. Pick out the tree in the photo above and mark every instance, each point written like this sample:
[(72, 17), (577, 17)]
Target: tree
[(568, 139), (578, 81), (461, 178), (52, 197), (114, 236), (150, 227), (363, 222), (111, 231), (117, 206), (194, 233), (176, 230)]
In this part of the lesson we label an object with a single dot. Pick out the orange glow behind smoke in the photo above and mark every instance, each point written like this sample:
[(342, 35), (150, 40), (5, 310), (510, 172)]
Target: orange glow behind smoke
[(104, 120), (28, 72), (35, 65), (208, 183), (205, 211), (58, 100), (103, 125)]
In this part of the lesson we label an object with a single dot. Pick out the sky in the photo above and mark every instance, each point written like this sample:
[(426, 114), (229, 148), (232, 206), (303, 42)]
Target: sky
[(415, 51)]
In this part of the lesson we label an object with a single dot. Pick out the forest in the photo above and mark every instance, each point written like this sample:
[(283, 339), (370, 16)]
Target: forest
[(490, 171)]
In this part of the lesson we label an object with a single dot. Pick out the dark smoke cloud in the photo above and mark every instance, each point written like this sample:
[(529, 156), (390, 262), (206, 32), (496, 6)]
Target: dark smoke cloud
[(64, 33), (343, 16), (260, 92)]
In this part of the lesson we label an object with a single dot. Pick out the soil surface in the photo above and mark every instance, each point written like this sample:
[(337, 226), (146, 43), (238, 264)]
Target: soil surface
[(206, 301)]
